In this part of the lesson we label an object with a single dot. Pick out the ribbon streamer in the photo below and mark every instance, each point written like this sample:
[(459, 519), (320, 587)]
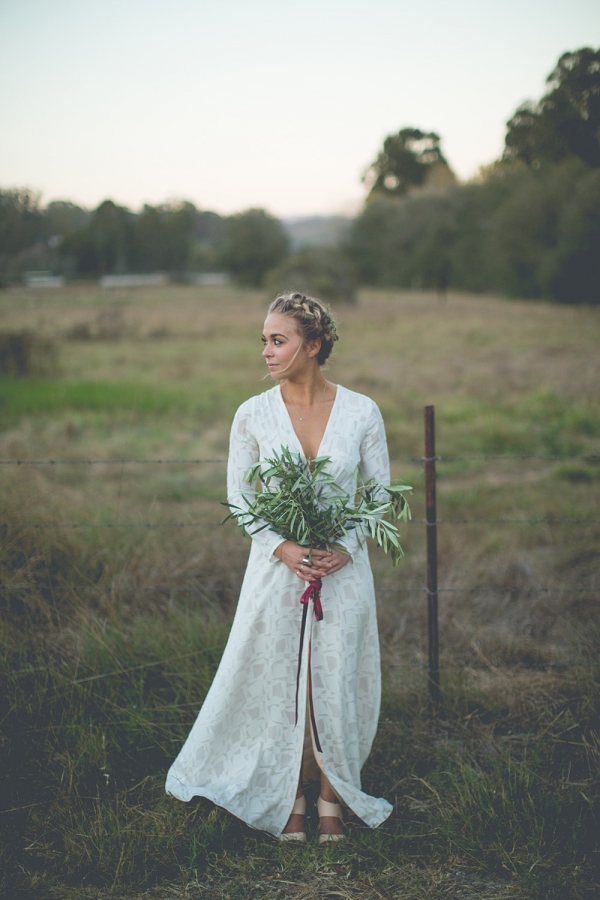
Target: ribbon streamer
[(312, 592)]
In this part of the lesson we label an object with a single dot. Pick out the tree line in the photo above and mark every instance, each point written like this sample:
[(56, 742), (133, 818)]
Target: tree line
[(172, 237), (528, 225)]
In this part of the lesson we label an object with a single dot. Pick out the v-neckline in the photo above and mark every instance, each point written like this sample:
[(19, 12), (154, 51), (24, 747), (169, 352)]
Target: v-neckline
[(291, 423)]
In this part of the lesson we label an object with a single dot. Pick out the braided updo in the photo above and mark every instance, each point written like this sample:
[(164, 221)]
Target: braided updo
[(314, 321)]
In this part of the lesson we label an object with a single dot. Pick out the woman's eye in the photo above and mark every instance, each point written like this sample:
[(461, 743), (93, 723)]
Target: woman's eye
[(263, 341), (276, 342)]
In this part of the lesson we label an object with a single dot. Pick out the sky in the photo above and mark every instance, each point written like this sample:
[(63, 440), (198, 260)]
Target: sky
[(261, 103)]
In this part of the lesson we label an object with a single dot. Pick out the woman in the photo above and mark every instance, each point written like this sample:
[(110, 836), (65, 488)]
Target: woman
[(246, 752)]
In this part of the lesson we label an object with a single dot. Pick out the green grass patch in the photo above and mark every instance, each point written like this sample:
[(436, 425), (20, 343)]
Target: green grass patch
[(542, 423), (88, 737), (45, 398), (27, 397)]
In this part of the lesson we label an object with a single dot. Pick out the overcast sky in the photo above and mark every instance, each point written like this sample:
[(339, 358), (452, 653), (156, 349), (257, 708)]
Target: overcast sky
[(239, 103)]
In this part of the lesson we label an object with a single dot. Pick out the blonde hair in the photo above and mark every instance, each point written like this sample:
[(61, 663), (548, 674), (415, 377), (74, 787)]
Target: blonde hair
[(314, 321)]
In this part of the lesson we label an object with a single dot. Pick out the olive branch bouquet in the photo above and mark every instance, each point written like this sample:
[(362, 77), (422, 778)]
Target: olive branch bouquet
[(304, 504)]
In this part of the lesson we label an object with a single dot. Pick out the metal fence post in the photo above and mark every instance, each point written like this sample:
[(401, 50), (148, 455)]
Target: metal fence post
[(432, 585)]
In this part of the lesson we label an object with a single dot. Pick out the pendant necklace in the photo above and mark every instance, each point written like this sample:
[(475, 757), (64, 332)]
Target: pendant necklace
[(305, 418)]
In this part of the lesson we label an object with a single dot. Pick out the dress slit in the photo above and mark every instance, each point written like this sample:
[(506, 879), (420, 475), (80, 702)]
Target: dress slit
[(311, 725)]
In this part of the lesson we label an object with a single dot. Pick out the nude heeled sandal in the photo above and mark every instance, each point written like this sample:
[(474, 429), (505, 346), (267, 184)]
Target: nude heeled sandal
[(299, 809), (325, 808)]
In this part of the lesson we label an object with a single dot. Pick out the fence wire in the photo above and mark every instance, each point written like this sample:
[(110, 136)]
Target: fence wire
[(15, 526), (11, 526), (201, 592), (409, 664), (590, 457), (104, 462)]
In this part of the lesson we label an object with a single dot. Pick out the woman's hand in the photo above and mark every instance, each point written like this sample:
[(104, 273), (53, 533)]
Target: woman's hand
[(324, 562), (334, 560)]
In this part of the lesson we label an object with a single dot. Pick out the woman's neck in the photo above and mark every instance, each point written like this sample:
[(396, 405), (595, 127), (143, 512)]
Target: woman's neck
[(305, 390)]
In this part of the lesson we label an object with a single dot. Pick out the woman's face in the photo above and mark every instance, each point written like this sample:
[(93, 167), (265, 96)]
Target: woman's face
[(284, 351)]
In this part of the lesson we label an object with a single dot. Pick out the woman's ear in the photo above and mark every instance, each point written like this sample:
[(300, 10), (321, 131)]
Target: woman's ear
[(313, 347)]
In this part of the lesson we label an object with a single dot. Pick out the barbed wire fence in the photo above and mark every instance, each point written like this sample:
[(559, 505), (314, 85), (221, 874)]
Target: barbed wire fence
[(431, 523), (590, 457)]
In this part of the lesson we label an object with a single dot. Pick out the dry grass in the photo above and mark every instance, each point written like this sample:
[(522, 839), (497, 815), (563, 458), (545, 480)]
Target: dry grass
[(329, 881)]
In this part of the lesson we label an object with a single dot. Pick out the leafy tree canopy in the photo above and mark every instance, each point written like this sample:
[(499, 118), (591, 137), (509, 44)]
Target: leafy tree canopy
[(404, 162), (255, 242), (210, 227), (163, 236), (324, 272), (62, 217), (566, 121), (20, 220), (104, 245)]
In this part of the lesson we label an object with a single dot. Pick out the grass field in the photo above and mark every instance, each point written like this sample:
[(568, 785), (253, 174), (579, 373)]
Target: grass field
[(111, 635)]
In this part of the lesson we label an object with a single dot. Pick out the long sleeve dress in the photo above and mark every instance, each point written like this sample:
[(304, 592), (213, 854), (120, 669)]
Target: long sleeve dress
[(245, 749)]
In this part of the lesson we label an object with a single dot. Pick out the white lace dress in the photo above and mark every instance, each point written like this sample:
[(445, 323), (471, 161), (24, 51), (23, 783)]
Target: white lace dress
[(244, 751)]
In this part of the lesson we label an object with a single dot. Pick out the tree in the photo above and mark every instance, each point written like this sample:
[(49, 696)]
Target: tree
[(566, 121), (149, 239), (163, 236), (105, 245), (180, 227), (404, 162), (254, 243), (22, 244), (61, 217), (404, 243), (573, 272), (322, 272), (20, 221), (523, 232), (210, 228), (208, 236), (110, 231)]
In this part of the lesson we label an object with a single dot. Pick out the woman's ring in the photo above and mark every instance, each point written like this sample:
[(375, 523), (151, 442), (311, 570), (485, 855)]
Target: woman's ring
[(306, 560)]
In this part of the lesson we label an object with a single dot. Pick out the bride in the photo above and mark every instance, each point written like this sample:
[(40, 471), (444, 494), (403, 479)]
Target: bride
[(245, 752)]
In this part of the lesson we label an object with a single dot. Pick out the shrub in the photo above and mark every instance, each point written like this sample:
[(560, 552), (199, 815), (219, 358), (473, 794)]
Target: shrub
[(25, 353)]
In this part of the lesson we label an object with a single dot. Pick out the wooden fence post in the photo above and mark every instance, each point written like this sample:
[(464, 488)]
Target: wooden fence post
[(432, 586)]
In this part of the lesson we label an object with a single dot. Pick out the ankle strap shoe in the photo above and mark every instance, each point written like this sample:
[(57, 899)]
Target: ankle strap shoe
[(298, 837), (325, 808)]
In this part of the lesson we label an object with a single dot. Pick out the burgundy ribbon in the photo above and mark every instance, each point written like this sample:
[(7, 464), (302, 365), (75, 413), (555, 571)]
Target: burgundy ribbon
[(312, 592)]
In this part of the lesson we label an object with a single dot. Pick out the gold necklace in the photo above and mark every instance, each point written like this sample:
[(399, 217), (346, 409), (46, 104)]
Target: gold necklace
[(305, 418)]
